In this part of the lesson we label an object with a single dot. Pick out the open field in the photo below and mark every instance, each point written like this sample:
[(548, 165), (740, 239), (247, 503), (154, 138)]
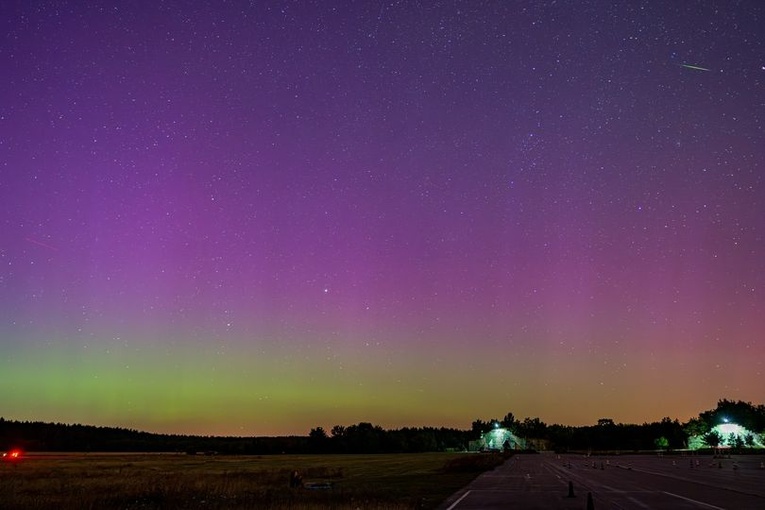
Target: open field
[(169, 481), (625, 482)]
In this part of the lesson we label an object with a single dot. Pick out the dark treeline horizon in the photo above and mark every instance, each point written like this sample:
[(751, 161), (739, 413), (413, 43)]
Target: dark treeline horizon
[(365, 437)]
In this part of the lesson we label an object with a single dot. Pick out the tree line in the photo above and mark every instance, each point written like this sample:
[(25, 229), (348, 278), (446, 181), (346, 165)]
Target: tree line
[(360, 438), (368, 438)]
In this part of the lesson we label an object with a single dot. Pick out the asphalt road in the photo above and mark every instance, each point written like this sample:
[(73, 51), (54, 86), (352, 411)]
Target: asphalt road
[(627, 482)]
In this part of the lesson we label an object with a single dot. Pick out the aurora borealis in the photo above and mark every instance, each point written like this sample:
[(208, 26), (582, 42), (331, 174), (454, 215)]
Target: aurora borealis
[(254, 218)]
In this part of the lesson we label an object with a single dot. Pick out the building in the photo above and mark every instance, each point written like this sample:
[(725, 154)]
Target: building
[(497, 439)]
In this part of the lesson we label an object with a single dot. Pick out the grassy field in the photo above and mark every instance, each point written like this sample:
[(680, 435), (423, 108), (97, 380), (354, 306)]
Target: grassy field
[(96, 481)]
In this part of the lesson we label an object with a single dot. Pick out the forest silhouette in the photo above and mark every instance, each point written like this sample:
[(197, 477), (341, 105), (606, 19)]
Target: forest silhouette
[(666, 434)]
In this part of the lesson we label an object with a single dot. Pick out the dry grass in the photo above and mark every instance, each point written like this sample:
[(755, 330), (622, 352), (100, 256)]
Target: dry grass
[(92, 481)]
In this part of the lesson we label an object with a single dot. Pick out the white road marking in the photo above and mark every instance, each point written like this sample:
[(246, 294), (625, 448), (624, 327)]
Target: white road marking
[(694, 501), (638, 502), (458, 501)]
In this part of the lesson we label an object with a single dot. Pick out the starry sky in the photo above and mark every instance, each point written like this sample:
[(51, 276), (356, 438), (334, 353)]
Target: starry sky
[(258, 217)]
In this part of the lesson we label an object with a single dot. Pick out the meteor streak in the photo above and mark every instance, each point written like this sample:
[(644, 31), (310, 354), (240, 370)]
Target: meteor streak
[(697, 68), (40, 243)]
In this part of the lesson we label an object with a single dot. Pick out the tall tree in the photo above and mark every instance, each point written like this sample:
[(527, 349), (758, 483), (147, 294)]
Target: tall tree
[(713, 439), (509, 422)]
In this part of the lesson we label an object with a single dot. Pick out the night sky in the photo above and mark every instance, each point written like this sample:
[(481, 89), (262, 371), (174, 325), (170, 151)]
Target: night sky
[(255, 218)]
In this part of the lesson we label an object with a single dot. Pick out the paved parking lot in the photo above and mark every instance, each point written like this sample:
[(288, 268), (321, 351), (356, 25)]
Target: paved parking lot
[(629, 482)]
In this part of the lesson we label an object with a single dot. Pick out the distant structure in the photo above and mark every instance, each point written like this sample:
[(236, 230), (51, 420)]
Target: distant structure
[(730, 435), (497, 439)]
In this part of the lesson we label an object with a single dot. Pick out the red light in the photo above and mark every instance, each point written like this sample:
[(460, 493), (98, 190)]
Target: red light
[(12, 455)]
